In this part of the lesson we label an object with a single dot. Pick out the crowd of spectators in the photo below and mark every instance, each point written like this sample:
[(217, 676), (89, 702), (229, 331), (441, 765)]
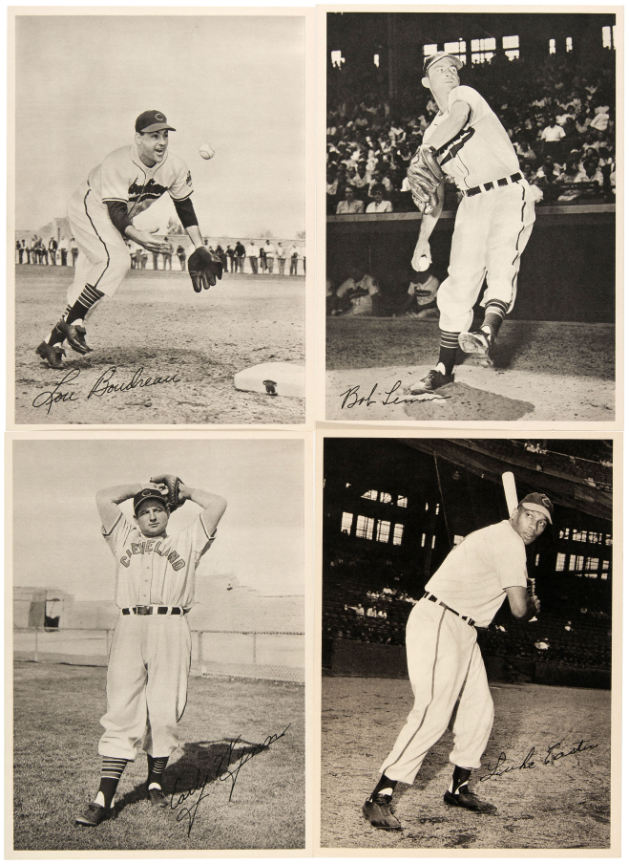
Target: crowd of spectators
[(269, 257), (559, 115)]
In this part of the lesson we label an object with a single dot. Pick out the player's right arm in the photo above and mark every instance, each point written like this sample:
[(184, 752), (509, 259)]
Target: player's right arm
[(213, 505), (521, 603), (426, 227), (108, 501)]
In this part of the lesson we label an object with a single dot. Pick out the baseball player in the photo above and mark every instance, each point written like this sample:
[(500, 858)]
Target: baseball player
[(493, 223), (101, 214), (147, 676), (444, 660)]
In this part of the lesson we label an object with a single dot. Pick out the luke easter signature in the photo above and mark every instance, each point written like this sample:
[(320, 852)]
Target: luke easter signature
[(108, 383), (552, 754), (186, 802)]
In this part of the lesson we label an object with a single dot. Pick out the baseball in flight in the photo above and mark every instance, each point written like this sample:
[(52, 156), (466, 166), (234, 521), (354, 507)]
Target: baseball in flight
[(205, 151)]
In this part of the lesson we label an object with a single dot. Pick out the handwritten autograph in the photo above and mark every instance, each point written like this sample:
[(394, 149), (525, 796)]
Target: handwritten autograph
[(552, 754), (352, 398), (105, 385), (225, 772)]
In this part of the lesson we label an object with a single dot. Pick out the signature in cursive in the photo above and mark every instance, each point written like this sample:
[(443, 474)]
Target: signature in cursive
[(353, 397), (553, 753), (224, 771), (105, 385)]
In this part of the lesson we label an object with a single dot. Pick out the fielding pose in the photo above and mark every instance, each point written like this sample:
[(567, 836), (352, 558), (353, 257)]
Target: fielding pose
[(445, 662), (493, 222), (101, 213), (149, 663)]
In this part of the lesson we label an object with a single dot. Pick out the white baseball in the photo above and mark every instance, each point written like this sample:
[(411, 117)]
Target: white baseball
[(205, 151), (423, 264)]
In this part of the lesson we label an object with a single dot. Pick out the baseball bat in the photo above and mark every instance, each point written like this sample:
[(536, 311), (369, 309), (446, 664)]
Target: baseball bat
[(511, 493)]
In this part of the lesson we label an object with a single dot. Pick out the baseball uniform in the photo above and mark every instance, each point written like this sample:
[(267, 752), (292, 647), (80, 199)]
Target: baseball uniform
[(150, 656)]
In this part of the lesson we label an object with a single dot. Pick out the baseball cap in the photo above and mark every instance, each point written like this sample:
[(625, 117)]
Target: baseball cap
[(540, 502), (434, 58), (152, 121), (148, 494)]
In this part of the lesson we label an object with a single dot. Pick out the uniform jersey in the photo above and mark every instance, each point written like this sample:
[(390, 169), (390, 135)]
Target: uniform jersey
[(482, 150), (123, 177), (474, 576), (156, 570)]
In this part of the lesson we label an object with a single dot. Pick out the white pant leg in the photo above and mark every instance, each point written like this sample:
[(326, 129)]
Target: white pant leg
[(512, 218), (125, 720), (438, 646), (459, 291), (474, 717), (105, 258), (169, 647)]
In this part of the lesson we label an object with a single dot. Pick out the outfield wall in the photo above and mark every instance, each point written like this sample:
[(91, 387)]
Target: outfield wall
[(567, 271), (246, 653)]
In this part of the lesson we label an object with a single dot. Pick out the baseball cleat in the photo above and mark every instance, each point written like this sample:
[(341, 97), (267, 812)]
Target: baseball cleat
[(75, 336), (467, 799), (378, 811), (479, 343), (157, 797), (93, 815), (52, 354), (431, 382)]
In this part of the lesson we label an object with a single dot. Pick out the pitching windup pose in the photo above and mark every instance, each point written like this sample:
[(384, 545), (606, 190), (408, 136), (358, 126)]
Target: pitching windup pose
[(444, 660), (494, 219), (149, 663), (101, 214)]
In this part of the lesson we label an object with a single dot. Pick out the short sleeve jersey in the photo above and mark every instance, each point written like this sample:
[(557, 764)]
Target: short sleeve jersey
[(123, 177), (482, 150), (475, 575), (156, 570)]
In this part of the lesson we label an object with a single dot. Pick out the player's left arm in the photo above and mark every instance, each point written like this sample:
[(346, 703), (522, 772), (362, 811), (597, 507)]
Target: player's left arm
[(521, 603), (188, 218), (213, 505)]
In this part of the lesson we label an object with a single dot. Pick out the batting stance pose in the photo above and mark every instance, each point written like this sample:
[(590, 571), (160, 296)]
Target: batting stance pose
[(101, 213), (147, 677), (444, 660), (493, 222)]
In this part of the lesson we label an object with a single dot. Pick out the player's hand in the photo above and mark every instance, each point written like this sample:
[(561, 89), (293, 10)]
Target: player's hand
[(536, 603), (422, 251), (152, 243)]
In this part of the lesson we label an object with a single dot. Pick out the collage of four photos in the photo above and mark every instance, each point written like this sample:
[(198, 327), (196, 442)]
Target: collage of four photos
[(314, 432)]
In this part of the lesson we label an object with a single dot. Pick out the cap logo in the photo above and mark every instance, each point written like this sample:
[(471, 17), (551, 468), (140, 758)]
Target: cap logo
[(160, 117), (545, 500)]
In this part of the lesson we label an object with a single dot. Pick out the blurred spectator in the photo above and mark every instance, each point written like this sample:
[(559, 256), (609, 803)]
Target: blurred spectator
[(349, 204), (181, 254), (230, 255), (239, 255), (262, 259), (252, 254), (168, 254), (74, 251), (52, 251), (379, 204), (293, 254), (269, 254), (63, 251), (281, 259)]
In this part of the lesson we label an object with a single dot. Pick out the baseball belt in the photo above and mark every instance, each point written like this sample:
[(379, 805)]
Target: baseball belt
[(493, 184), (433, 599), (154, 610)]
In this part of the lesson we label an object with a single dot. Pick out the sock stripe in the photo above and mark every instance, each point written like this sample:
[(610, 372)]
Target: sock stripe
[(448, 339)]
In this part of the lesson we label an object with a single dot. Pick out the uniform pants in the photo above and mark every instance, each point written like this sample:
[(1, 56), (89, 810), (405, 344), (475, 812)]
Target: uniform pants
[(444, 664), (105, 258), (147, 684), (491, 230)]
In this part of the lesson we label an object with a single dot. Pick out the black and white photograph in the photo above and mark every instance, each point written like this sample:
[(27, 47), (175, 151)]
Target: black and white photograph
[(158, 645), (470, 645), (471, 204), (160, 230)]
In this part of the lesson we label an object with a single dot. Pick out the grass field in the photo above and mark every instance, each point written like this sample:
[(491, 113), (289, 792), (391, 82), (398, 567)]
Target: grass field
[(546, 801), (157, 327), (230, 725)]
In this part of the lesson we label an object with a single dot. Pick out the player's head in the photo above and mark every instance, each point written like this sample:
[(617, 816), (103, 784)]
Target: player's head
[(151, 511), (532, 515), (441, 71), (151, 136)]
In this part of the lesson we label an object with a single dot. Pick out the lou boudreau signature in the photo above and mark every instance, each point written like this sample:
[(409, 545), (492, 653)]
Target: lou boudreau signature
[(552, 754), (226, 773)]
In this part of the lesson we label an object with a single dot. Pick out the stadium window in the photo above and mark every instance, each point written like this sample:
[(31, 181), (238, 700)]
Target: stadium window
[(552, 46), (592, 564), (398, 532), (434, 541), (536, 563), (346, 523), (560, 563), (437, 508), (595, 537), (609, 37), (429, 50), (383, 529), (423, 541), (580, 536), (370, 494), (483, 49), (337, 59), (568, 44), (578, 562), (426, 506), (511, 47), (458, 49), (376, 61), (364, 527), (608, 539), (386, 498), (402, 501), (605, 566)]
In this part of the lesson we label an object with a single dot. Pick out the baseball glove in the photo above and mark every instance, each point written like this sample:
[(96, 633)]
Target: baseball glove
[(205, 268), (424, 176), (171, 486)]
